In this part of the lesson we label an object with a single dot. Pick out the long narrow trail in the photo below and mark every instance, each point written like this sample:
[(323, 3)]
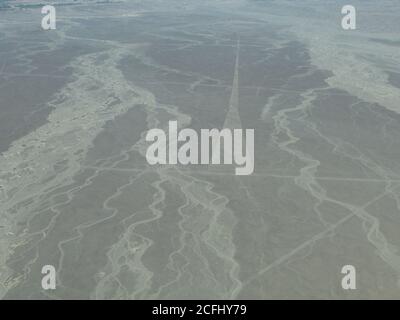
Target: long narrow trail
[(232, 120)]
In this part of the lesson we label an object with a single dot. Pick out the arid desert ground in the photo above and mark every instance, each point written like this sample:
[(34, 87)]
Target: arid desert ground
[(77, 193)]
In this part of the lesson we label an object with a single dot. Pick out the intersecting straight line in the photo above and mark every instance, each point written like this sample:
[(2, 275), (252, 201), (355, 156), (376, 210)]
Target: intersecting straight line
[(42, 75), (262, 175), (170, 82), (240, 87), (177, 45), (303, 245), (313, 239)]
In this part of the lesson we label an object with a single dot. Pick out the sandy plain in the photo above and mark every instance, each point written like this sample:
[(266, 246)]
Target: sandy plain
[(77, 193)]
